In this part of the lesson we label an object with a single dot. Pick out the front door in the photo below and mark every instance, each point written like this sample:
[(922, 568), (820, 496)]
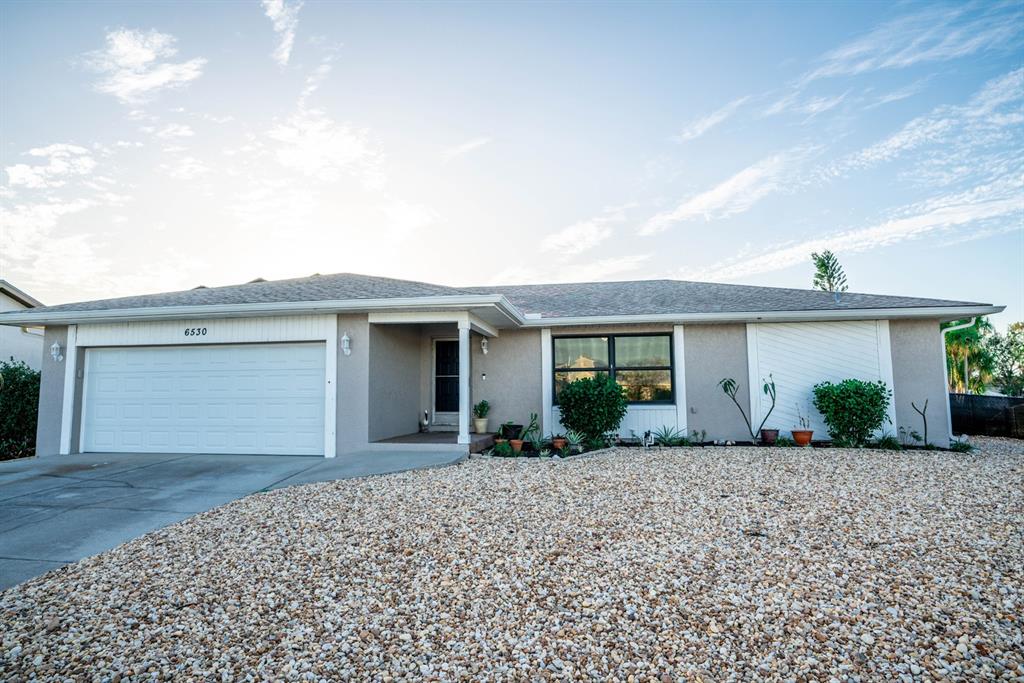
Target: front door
[(446, 381)]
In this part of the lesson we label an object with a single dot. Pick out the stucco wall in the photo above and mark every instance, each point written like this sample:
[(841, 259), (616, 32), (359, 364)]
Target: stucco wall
[(394, 380), (353, 384), (513, 369), (51, 395), (712, 353), (917, 362)]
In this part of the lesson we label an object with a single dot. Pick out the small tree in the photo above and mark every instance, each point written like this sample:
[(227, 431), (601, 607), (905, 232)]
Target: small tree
[(19, 409), (592, 406), (730, 387), (853, 409), (1007, 352), (828, 273)]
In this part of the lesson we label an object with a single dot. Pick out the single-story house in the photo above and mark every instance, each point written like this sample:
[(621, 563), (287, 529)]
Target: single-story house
[(330, 364), (20, 342)]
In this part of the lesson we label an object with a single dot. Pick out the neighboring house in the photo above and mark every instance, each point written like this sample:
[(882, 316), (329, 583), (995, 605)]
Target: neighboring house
[(22, 342), (331, 364)]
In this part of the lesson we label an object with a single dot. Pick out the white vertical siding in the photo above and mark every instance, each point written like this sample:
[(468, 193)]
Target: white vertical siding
[(800, 355), (218, 331)]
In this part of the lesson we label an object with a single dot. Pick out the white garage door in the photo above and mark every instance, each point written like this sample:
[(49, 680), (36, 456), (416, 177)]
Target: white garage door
[(240, 398), (800, 355)]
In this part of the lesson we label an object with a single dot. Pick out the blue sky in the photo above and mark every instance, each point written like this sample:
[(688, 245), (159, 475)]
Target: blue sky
[(156, 146)]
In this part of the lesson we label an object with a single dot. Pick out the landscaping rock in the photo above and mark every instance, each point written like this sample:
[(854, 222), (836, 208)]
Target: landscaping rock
[(635, 565)]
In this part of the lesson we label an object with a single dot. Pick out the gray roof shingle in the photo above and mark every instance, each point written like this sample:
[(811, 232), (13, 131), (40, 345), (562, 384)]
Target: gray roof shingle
[(571, 300), (639, 297)]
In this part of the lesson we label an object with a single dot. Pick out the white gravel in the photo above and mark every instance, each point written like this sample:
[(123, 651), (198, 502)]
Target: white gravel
[(683, 564)]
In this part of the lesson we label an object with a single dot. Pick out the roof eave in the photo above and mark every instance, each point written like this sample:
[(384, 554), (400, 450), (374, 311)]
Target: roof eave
[(942, 313), (461, 302), (23, 298)]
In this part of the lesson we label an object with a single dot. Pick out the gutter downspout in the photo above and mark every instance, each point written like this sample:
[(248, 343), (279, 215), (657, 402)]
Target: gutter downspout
[(945, 372)]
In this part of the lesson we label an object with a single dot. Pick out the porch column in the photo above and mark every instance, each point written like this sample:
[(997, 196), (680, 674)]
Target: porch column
[(464, 377)]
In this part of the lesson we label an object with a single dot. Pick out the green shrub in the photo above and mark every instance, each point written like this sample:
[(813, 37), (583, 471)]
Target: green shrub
[(960, 446), (785, 442), (503, 450), (19, 409), (852, 409), (888, 442), (592, 406)]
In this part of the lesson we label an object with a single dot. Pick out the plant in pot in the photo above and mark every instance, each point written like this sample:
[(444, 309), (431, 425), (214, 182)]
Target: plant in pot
[(559, 442), (525, 434), (574, 442), (731, 387), (480, 411), (802, 436), (510, 430)]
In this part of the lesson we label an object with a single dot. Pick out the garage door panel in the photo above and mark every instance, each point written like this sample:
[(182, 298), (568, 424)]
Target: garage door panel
[(254, 398)]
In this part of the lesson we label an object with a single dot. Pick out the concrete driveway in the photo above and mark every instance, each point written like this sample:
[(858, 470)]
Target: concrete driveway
[(57, 510)]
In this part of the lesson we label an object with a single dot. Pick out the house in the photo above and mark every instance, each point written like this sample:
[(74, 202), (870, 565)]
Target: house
[(331, 364), (21, 342)]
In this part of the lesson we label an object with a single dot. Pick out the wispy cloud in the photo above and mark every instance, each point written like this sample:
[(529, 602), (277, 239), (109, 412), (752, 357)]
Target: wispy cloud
[(135, 67), (315, 145), (61, 161), (587, 234), (698, 127), (450, 153), (809, 106), (945, 124), (585, 271), (730, 197), (285, 17), (1001, 200), (935, 34), (175, 130), (185, 168), (899, 94)]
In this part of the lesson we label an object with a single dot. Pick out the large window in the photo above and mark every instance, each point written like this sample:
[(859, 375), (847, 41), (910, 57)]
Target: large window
[(641, 364)]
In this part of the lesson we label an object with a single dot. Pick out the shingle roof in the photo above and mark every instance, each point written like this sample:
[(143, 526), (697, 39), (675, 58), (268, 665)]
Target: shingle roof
[(638, 297), (339, 286)]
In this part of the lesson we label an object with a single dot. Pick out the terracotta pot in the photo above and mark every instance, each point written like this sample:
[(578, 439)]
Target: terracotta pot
[(559, 443), (768, 436), (498, 440), (517, 445), (480, 425), (802, 437)]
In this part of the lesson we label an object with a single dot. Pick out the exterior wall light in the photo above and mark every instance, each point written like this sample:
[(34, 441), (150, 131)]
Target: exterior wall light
[(346, 345), (483, 345), (55, 352)]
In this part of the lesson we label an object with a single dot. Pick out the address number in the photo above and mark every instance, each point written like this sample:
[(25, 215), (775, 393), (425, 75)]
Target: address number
[(195, 331)]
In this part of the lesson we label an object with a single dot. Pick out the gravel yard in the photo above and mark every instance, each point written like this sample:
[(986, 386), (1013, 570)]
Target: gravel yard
[(675, 564)]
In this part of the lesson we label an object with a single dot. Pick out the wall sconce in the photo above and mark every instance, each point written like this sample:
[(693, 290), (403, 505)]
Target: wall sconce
[(346, 345), (55, 352), (483, 345)]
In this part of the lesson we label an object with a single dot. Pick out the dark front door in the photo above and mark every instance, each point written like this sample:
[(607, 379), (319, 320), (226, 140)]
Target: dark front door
[(446, 376)]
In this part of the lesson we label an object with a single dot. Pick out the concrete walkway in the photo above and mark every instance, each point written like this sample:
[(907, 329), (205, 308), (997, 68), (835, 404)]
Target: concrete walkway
[(57, 510)]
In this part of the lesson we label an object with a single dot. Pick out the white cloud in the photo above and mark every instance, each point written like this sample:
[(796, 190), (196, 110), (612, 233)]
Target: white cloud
[(735, 195), (592, 271), (62, 161), (315, 80), (285, 17), (313, 144), (899, 94), (175, 130), (587, 234), (465, 148), (935, 34), (135, 67), (699, 127), (811, 106), (998, 201), (185, 168)]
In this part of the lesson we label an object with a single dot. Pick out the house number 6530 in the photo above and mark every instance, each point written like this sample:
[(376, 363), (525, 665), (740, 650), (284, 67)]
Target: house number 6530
[(195, 331)]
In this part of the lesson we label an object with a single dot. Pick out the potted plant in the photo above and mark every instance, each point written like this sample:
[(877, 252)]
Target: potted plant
[(731, 387), (802, 436), (526, 434), (559, 442), (510, 430), (769, 436), (480, 411)]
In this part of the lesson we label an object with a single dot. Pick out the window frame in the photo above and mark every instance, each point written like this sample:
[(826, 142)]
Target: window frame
[(613, 365)]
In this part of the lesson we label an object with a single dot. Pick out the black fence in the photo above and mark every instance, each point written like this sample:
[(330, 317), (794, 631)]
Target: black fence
[(987, 415)]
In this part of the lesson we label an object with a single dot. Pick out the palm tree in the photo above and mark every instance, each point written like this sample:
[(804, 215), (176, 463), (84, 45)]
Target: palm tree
[(968, 360), (828, 273)]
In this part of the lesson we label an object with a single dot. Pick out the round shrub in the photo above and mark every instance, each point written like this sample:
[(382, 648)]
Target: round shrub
[(19, 409), (853, 409), (592, 406)]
